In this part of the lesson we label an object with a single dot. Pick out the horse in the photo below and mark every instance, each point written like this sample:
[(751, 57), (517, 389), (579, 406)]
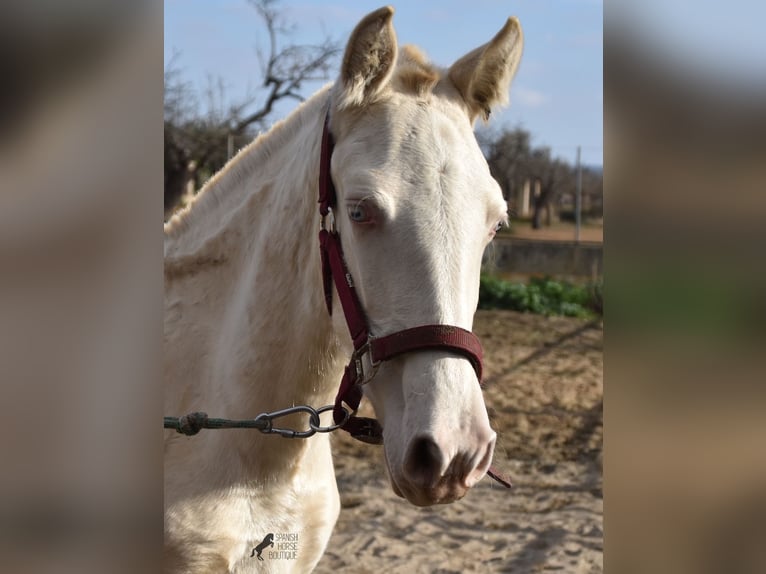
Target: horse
[(247, 328)]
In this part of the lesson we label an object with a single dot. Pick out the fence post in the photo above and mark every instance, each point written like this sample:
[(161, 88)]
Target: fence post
[(578, 198)]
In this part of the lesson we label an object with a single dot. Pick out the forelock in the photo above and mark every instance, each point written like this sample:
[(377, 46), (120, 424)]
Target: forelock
[(414, 74)]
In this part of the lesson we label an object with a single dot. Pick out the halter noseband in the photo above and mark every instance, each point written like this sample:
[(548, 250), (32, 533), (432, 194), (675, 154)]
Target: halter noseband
[(370, 351)]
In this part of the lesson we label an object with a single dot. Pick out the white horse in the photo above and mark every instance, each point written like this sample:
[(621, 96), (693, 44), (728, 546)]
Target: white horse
[(246, 326)]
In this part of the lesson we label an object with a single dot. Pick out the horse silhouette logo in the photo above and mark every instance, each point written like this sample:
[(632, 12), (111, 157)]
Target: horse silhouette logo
[(268, 540)]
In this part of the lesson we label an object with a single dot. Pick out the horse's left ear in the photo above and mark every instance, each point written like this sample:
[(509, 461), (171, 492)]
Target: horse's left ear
[(484, 75)]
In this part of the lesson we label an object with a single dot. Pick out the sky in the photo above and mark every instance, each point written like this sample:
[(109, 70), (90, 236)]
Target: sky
[(722, 43), (557, 94)]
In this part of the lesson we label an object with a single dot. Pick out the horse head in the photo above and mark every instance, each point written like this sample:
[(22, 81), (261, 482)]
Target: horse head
[(416, 208)]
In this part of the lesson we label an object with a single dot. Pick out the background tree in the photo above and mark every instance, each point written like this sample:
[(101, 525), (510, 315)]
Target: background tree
[(198, 144), (553, 176), (508, 154), (514, 162)]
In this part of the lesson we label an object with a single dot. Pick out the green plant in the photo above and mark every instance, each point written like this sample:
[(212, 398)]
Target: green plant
[(543, 296)]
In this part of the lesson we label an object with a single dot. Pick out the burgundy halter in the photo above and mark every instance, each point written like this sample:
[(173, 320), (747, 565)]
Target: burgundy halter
[(370, 351)]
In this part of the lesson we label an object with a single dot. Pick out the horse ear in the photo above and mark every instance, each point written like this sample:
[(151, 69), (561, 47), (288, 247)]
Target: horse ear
[(369, 59), (484, 75)]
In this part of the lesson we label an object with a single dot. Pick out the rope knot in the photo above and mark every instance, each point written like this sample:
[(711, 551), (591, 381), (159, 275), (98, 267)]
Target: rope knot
[(192, 423)]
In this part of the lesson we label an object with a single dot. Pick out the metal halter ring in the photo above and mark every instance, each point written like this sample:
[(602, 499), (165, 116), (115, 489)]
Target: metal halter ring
[(319, 428)]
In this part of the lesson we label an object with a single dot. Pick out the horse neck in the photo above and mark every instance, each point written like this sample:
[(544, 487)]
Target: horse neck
[(271, 343)]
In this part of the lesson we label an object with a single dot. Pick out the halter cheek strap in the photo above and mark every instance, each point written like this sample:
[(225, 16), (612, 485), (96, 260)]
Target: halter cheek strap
[(370, 351)]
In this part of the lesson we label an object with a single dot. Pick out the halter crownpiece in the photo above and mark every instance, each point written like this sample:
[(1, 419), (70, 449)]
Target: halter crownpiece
[(370, 351)]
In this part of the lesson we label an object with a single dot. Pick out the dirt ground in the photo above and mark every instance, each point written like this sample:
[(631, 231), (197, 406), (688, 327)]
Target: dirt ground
[(544, 393), (558, 231)]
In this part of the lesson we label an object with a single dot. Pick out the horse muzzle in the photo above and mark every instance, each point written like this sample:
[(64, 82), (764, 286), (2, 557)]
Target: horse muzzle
[(428, 475)]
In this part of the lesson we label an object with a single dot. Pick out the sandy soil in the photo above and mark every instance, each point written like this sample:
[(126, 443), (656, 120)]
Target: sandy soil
[(544, 394)]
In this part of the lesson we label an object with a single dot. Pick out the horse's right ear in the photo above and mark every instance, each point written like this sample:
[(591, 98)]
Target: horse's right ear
[(369, 60)]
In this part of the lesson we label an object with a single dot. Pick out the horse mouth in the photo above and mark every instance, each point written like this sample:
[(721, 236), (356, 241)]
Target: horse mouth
[(445, 491)]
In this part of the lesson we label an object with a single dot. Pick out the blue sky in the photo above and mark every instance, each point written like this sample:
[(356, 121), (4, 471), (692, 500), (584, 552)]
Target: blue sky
[(557, 94)]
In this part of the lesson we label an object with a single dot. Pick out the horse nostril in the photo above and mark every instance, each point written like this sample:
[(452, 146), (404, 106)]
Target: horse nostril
[(423, 464)]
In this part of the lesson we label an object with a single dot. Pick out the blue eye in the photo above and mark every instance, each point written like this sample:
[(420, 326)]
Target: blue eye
[(357, 213)]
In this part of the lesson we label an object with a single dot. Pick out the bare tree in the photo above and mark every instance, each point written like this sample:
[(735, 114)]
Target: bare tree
[(513, 160), (553, 176), (508, 155), (196, 144)]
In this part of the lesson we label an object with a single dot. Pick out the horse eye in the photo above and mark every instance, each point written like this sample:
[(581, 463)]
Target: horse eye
[(357, 213), (499, 226)]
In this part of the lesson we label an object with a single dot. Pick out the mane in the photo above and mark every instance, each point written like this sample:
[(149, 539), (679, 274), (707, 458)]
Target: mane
[(224, 182)]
